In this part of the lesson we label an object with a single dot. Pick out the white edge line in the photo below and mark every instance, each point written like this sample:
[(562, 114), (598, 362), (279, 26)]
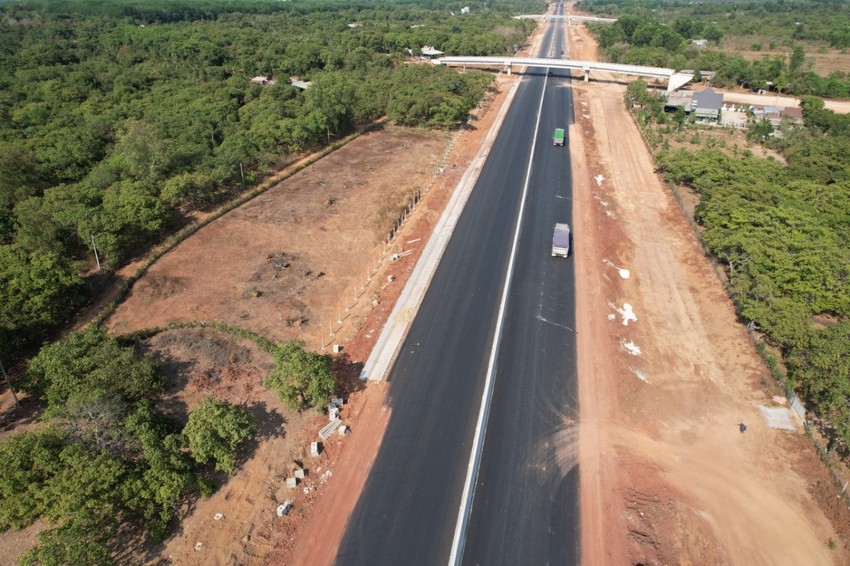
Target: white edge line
[(481, 426)]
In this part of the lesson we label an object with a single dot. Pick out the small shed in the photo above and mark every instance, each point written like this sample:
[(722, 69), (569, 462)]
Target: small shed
[(706, 104), (299, 84), (793, 115), (679, 99), (429, 51)]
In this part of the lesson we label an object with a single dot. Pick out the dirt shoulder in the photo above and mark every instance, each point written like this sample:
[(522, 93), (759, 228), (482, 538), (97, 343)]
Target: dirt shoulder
[(666, 375)]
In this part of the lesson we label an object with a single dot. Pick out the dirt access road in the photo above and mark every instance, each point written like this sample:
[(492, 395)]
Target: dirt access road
[(667, 478)]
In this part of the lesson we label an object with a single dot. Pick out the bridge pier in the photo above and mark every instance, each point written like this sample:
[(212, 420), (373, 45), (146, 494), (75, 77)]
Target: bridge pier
[(508, 68), (586, 73)]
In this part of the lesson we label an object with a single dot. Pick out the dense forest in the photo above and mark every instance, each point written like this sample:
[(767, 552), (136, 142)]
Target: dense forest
[(662, 34), (117, 118)]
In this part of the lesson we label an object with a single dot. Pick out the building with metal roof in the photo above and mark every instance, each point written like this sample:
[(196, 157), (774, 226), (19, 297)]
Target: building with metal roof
[(706, 104)]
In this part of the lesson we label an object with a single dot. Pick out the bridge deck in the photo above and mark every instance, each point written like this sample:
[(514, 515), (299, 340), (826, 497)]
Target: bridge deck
[(674, 79)]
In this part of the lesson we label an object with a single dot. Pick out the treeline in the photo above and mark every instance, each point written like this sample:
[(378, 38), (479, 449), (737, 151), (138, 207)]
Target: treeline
[(823, 21), (109, 468), (782, 232), (641, 37), (119, 118)]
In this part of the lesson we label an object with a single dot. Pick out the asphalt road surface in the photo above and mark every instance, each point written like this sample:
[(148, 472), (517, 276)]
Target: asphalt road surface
[(525, 504)]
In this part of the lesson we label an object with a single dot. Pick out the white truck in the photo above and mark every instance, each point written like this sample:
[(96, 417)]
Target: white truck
[(561, 240)]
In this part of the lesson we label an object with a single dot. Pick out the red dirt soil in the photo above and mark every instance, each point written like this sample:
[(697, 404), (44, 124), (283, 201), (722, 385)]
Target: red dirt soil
[(666, 475)]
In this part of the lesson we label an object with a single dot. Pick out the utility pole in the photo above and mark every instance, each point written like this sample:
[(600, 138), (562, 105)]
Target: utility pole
[(94, 246), (242, 176), (9, 383)]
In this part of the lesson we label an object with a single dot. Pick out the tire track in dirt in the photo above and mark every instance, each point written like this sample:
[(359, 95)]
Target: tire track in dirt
[(666, 475)]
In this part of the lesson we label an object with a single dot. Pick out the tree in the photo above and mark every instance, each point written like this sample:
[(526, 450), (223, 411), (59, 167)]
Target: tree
[(82, 540), (822, 367), (85, 483), (19, 174), (798, 57), (302, 379), (139, 153), (29, 461), (163, 474), (87, 365), (335, 96), (214, 431), (193, 190), (38, 291), (760, 130), (45, 475)]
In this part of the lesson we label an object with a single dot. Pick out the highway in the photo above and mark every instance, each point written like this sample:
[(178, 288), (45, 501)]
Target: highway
[(524, 506)]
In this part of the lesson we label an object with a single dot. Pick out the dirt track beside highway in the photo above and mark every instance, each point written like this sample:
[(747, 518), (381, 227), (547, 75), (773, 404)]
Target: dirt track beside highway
[(667, 476)]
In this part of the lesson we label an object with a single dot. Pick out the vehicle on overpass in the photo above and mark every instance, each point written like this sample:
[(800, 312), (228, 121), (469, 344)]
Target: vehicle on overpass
[(558, 137), (561, 240)]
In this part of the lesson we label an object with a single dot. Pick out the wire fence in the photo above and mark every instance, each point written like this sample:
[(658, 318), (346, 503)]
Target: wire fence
[(341, 312)]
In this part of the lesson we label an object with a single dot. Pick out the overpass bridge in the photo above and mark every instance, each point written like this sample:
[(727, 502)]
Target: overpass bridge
[(568, 18), (674, 79)]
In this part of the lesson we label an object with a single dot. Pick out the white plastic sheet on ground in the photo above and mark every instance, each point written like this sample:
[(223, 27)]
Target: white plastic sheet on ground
[(627, 312), (630, 347), (777, 417), (624, 273)]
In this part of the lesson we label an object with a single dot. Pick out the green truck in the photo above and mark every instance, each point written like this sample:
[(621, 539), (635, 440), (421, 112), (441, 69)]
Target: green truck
[(558, 137)]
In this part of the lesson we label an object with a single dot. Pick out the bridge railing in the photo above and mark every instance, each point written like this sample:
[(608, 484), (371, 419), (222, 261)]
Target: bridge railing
[(659, 72)]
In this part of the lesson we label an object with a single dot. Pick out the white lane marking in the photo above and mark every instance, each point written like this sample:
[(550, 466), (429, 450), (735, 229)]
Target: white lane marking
[(481, 426)]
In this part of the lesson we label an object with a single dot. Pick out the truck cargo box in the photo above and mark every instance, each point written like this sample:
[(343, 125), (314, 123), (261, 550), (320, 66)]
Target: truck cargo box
[(558, 137), (561, 240)]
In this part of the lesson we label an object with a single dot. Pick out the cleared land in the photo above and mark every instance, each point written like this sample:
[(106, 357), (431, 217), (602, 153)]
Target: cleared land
[(823, 59), (284, 264), (667, 476)]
